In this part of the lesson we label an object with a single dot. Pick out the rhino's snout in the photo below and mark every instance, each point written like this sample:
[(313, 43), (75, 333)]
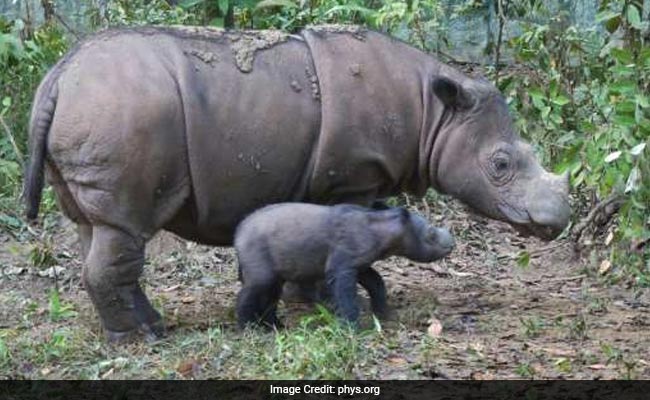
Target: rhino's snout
[(548, 206), (444, 239)]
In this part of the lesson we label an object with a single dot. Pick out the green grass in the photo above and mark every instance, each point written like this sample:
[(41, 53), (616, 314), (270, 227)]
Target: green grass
[(318, 347)]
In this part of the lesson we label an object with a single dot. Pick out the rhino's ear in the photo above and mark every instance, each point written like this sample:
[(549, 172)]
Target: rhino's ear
[(404, 216), (452, 94)]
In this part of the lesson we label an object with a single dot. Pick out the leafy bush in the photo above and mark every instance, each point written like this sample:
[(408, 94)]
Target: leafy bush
[(139, 12), (585, 99), (24, 59)]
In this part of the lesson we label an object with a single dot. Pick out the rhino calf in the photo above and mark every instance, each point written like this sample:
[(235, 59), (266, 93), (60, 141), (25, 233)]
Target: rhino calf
[(305, 243)]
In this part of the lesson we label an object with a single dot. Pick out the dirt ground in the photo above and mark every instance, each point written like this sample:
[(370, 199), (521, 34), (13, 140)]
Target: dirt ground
[(557, 317)]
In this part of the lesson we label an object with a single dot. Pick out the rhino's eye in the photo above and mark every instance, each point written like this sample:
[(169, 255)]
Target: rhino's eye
[(501, 164), (500, 167)]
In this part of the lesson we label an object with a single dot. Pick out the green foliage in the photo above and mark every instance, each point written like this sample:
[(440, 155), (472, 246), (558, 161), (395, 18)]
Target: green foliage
[(57, 346), (623, 362), (139, 12), (532, 327), (41, 254), (523, 259), (525, 370), (319, 348), (5, 355), (586, 98), (23, 62), (58, 310)]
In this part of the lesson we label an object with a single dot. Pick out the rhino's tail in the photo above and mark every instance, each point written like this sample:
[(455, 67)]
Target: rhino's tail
[(39, 127)]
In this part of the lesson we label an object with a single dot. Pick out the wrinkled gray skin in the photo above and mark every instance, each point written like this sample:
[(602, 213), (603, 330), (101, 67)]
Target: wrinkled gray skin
[(191, 129), (306, 243)]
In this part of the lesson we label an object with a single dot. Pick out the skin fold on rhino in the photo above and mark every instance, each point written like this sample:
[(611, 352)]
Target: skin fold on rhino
[(191, 129)]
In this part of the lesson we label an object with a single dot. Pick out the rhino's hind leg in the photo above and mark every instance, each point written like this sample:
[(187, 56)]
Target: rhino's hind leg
[(85, 232), (110, 275)]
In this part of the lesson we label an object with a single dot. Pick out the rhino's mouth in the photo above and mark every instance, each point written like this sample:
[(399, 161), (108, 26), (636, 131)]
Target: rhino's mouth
[(532, 229), (525, 224)]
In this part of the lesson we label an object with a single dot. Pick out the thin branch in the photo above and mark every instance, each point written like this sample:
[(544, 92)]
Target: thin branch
[(12, 140), (67, 27), (541, 250), (427, 209), (420, 33), (502, 23), (615, 201)]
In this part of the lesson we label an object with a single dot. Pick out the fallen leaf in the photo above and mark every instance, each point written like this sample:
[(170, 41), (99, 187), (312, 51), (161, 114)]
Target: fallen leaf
[(560, 352), (188, 368), (604, 267), (188, 299), (460, 274), (396, 360), (481, 376), (52, 272), (171, 288), (108, 373), (609, 238), (439, 269), (435, 328), (14, 270)]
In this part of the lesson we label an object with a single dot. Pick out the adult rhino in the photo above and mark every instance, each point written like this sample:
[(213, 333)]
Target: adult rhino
[(191, 129)]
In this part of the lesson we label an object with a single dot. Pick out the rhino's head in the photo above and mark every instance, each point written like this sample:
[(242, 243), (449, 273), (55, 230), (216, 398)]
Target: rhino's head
[(479, 159)]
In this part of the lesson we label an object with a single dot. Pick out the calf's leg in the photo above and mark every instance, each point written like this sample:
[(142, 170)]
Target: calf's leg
[(342, 280), (370, 279), (258, 300)]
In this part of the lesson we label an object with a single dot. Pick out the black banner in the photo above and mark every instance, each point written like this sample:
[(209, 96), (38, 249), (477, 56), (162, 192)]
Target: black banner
[(296, 390)]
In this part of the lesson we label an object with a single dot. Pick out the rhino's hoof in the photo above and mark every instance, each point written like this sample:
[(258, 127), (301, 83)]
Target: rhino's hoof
[(115, 337), (151, 333)]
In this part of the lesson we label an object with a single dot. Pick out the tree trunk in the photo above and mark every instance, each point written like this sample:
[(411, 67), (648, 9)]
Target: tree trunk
[(48, 11), (229, 18)]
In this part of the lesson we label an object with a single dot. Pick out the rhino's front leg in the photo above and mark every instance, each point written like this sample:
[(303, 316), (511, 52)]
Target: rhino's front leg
[(110, 275)]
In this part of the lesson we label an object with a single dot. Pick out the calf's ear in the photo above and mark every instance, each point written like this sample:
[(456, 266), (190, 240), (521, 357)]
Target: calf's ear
[(452, 94)]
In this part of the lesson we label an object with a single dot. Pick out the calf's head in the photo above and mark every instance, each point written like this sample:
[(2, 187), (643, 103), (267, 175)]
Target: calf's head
[(419, 241), (479, 159)]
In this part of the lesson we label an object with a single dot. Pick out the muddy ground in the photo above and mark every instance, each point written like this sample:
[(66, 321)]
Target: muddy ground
[(557, 317)]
